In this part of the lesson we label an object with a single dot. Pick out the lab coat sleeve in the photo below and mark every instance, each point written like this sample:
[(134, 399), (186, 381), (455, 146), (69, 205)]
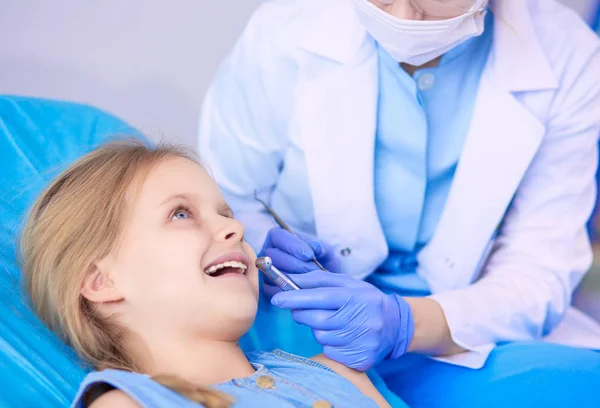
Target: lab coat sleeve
[(240, 137), (542, 251)]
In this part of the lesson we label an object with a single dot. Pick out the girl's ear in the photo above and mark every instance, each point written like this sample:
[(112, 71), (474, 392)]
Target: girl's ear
[(98, 285)]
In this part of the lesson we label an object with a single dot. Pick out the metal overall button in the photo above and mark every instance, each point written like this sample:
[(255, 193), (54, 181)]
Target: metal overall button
[(265, 381)]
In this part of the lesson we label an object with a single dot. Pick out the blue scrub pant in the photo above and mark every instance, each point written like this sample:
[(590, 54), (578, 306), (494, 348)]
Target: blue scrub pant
[(531, 374), (515, 375)]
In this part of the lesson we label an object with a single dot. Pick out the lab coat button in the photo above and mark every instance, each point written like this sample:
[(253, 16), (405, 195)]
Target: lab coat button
[(321, 404), (265, 381), (346, 252), (426, 81)]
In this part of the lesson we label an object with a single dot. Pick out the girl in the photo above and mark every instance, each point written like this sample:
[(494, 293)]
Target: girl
[(133, 257)]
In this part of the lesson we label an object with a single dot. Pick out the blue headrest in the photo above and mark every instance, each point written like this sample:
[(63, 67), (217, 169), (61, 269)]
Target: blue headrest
[(38, 139)]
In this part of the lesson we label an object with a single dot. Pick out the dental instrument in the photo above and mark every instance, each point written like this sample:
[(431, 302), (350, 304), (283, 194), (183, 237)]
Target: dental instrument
[(265, 264), (283, 225)]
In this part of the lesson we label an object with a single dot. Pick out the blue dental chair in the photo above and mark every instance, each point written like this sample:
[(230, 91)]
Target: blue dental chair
[(37, 139)]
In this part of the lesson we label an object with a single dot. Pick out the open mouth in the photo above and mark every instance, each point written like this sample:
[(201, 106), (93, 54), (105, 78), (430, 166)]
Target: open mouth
[(224, 268)]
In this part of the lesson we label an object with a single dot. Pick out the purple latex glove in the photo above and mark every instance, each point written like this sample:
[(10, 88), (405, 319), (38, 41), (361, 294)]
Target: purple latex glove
[(293, 255), (357, 324)]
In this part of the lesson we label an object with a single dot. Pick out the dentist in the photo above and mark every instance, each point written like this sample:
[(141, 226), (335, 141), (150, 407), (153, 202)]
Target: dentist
[(441, 155)]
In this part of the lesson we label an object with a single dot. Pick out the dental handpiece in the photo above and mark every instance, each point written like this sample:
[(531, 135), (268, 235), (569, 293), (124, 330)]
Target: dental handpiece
[(265, 264)]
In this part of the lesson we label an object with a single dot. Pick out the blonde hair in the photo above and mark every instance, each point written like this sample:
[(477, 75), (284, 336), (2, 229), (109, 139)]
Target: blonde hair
[(75, 222)]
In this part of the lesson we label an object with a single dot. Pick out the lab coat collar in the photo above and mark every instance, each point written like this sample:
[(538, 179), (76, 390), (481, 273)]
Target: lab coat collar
[(338, 33), (517, 56)]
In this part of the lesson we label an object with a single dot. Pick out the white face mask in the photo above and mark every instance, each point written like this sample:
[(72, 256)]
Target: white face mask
[(417, 42)]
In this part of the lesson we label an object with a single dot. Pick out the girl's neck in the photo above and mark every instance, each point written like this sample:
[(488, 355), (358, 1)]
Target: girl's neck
[(202, 362)]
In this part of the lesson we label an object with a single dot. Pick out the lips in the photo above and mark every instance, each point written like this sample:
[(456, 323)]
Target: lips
[(232, 262)]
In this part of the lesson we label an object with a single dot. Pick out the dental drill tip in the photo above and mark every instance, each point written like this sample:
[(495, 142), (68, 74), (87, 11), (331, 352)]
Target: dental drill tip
[(264, 263)]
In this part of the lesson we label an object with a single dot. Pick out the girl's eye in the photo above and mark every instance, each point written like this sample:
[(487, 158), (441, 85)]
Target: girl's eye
[(181, 214)]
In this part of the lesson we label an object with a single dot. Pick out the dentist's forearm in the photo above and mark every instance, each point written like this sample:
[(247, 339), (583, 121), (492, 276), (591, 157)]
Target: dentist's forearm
[(431, 334)]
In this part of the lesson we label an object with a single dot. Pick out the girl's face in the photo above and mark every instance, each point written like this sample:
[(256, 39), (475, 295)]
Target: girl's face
[(182, 267)]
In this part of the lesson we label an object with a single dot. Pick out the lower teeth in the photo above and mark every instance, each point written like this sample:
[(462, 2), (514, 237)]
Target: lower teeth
[(225, 270)]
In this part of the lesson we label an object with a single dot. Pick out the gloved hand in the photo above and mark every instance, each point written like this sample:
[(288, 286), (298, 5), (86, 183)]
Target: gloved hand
[(357, 324), (293, 254)]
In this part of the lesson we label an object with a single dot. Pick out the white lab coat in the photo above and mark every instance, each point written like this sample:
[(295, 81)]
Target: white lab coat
[(292, 112)]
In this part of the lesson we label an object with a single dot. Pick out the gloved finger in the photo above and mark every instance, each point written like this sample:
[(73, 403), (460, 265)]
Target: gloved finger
[(322, 250), (314, 243), (316, 319), (356, 359), (320, 298), (329, 338), (322, 279), (291, 244), (288, 263)]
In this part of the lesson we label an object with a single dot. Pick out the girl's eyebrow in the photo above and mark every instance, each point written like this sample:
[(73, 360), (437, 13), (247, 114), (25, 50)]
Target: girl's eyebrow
[(173, 197)]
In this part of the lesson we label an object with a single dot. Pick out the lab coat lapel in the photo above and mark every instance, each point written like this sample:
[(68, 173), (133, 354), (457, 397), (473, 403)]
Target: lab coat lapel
[(336, 125), (502, 141)]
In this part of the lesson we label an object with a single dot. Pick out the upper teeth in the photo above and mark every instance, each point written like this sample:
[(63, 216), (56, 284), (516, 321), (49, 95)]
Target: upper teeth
[(228, 264)]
